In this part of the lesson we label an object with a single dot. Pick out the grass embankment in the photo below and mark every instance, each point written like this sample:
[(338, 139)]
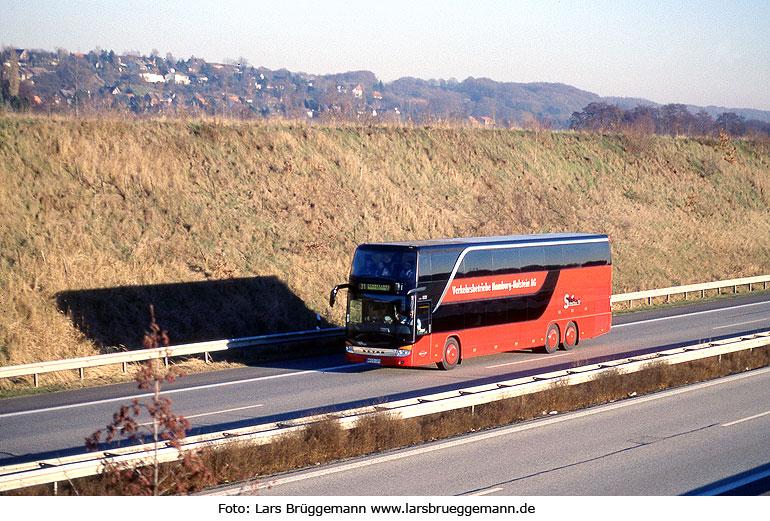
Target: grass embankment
[(235, 229)]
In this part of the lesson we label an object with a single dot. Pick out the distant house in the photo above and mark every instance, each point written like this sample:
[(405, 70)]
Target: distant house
[(151, 77), (488, 122), (177, 77), (358, 92), (377, 94)]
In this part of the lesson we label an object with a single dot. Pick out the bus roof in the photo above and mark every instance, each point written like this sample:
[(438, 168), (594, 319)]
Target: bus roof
[(466, 242)]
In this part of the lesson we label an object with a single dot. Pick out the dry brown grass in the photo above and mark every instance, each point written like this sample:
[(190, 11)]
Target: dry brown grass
[(89, 205)]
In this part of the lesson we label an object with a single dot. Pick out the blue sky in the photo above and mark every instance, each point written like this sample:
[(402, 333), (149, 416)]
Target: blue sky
[(699, 52)]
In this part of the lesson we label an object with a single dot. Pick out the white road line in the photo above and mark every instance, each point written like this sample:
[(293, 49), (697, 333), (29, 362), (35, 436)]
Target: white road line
[(551, 357), (502, 431), (485, 492), (736, 422), (689, 314), (174, 391), (299, 373), (765, 320), (225, 411)]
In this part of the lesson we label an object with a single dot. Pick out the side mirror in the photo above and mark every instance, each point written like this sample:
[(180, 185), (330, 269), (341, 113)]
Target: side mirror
[(411, 292), (333, 294)]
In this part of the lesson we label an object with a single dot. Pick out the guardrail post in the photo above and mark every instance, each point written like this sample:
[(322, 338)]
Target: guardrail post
[(34, 378), (81, 372), (207, 357), (124, 367)]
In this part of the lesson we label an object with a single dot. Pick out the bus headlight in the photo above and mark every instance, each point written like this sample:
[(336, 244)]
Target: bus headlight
[(349, 348), (403, 352)]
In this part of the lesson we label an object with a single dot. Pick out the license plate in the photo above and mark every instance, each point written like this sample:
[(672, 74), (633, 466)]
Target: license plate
[(373, 361)]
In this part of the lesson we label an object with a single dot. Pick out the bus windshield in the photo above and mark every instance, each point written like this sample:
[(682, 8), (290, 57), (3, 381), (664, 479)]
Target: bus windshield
[(379, 320), (390, 264)]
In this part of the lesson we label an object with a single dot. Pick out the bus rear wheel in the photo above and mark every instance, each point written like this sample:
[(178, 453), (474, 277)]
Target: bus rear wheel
[(552, 339), (451, 355), (570, 336)]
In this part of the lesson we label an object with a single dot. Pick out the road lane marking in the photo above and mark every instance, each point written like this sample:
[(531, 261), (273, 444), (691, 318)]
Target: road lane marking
[(174, 391), (743, 323), (544, 357), (688, 315), (485, 492), (736, 422), (300, 373), (224, 411), (367, 461)]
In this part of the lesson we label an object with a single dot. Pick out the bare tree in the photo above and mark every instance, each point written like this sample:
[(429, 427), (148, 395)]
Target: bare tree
[(186, 475), (10, 75)]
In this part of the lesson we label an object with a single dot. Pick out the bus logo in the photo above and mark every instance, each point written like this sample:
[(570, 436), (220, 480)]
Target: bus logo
[(570, 300)]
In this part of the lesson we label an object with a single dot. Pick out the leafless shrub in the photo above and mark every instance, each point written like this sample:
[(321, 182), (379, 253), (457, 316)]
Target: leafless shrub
[(166, 427)]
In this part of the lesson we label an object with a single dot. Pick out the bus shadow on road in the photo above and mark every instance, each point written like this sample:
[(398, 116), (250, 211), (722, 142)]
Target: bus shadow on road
[(116, 318)]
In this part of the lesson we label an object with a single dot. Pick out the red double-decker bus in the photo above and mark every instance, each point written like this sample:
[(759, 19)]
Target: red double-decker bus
[(440, 301)]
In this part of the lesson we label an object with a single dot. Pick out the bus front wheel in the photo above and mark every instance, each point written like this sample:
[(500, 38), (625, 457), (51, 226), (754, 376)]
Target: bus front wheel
[(451, 355)]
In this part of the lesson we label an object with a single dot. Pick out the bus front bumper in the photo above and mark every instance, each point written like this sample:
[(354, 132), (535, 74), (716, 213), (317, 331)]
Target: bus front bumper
[(378, 356)]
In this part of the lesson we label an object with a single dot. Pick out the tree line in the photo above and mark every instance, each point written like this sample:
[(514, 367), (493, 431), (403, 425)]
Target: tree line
[(103, 81), (672, 119)]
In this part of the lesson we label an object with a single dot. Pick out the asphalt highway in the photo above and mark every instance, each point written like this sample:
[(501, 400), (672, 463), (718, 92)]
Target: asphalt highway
[(704, 439), (56, 424)]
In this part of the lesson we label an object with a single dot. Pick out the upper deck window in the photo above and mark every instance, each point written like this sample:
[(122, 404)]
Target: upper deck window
[(382, 263)]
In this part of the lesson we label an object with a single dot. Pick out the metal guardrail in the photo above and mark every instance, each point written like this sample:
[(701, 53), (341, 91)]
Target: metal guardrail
[(692, 288), (80, 364), (52, 471)]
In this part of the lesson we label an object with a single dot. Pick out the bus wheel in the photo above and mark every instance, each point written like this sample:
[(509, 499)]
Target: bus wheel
[(552, 338), (570, 336), (451, 355)]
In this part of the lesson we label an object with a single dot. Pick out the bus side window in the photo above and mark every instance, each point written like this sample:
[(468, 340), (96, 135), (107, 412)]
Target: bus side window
[(442, 263), (477, 263), (505, 261), (424, 270), (554, 257), (423, 318), (532, 258)]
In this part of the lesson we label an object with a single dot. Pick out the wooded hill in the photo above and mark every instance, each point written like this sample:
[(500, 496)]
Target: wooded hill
[(102, 81)]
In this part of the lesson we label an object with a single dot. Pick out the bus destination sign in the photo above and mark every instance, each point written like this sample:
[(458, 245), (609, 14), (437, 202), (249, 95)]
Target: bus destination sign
[(372, 286)]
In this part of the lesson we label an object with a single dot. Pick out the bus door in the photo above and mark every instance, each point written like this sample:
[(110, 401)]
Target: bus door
[(422, 329)]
